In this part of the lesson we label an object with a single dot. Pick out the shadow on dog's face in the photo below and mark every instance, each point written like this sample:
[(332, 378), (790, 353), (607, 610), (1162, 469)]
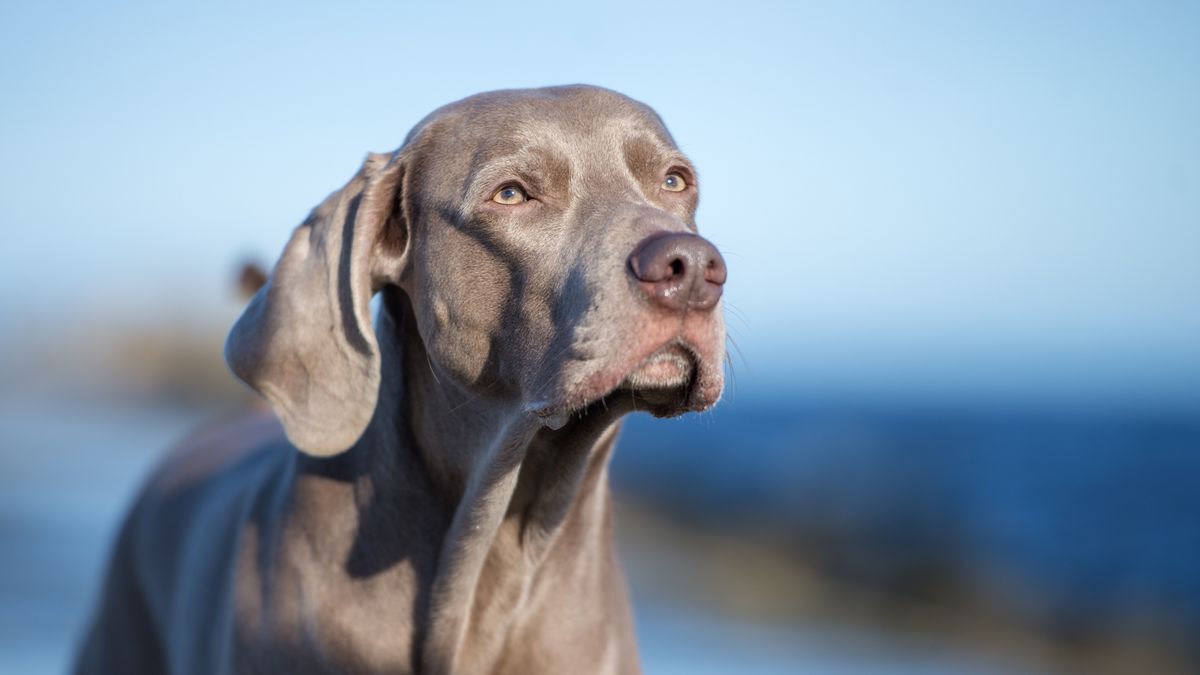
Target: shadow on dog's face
[(545, 240), (527, 210)]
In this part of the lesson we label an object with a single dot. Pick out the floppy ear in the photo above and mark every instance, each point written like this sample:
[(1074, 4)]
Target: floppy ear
[(306, 341)]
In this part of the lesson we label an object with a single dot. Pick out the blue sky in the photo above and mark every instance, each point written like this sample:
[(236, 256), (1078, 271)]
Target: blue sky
[(941, 198)]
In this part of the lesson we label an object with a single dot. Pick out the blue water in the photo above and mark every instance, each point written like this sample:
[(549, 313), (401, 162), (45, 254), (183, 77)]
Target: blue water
[(1086, 512)]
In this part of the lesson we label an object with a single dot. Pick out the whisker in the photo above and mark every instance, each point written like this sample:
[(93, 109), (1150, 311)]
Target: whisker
[(431, 370), (471, 398), (738, 349), (737, 313), (475, 396), (539, 389), (732, 375)]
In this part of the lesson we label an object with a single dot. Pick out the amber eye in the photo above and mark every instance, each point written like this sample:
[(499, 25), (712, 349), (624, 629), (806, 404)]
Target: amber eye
[(674, 183), (509, 196)]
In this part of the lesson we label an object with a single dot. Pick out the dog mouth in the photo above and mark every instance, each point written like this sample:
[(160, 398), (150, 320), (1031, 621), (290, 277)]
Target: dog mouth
[(662, 384), (663, 378)]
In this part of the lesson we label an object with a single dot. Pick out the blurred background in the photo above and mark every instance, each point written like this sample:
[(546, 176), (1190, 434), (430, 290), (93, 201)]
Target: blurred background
[(962, 433)]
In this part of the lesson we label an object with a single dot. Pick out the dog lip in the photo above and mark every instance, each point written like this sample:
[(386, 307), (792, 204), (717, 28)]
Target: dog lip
[(670, 366), (674, 352)]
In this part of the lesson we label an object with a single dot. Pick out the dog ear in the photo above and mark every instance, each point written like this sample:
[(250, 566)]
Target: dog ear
[(306, 341)]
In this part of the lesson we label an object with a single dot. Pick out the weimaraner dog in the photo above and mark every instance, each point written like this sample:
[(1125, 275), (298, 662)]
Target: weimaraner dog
[(448, 510)]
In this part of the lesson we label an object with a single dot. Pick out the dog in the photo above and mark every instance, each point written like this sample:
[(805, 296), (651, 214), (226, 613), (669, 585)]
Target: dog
[(429, 491)]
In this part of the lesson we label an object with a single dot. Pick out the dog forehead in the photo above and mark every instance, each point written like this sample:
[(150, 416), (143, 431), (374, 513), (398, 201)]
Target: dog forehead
[(575, 116)]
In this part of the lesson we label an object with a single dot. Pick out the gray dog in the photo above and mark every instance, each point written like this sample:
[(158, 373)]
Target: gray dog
[(448, 510)]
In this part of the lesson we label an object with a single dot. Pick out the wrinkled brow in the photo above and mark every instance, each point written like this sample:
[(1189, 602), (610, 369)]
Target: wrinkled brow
[(646, 155), (545, 171)]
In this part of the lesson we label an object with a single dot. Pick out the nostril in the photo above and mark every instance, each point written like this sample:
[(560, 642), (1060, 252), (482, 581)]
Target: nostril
[(714, 269), (678, 270), (677, 267)]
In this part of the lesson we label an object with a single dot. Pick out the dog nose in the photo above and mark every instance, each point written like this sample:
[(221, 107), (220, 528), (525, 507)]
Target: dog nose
[(679, 270)]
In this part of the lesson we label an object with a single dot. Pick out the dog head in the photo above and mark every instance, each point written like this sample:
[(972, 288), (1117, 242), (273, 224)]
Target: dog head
[(546, 243)]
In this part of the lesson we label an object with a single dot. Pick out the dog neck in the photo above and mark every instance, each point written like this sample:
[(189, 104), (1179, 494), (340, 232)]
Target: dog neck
[(510, 489)]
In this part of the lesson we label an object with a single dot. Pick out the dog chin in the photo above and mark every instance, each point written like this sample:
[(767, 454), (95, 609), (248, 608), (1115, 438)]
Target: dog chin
[(671, 367), (663, 384)]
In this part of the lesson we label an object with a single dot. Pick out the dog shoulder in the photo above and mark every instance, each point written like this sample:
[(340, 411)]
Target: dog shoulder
[(170, 581)]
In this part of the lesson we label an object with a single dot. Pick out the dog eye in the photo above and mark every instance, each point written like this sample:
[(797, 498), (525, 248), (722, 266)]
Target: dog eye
[(674, 183), (510, 196)]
